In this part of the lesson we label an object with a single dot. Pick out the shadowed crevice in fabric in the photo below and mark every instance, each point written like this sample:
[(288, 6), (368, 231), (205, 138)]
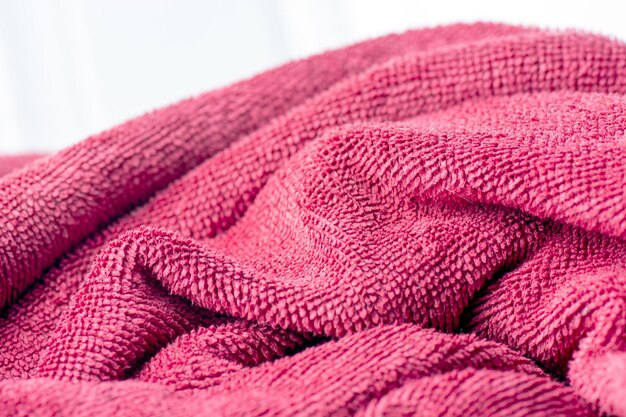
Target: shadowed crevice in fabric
[(454, 394), (569, 312), (204, 357)]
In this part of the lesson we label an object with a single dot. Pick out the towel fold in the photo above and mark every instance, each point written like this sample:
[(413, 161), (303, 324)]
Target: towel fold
[(430, 223)]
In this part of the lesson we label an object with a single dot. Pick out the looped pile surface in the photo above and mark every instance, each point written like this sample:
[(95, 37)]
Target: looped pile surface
[(431, 223)]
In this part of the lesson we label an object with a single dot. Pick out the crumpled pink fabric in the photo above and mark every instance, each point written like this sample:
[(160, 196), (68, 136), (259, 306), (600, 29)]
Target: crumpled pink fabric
[(431, 223)]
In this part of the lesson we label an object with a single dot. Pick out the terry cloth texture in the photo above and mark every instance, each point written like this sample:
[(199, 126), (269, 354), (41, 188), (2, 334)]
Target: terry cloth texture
[(11, 163), (431, 223)]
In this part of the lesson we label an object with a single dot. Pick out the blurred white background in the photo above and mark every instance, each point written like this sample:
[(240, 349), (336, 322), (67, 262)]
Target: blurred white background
[(71, 68)]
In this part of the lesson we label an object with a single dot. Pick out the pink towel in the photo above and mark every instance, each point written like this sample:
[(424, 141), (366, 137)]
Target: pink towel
[(431, 223), (13, 162)]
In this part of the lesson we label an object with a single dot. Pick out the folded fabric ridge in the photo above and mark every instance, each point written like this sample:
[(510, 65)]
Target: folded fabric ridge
[(312, 240)]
